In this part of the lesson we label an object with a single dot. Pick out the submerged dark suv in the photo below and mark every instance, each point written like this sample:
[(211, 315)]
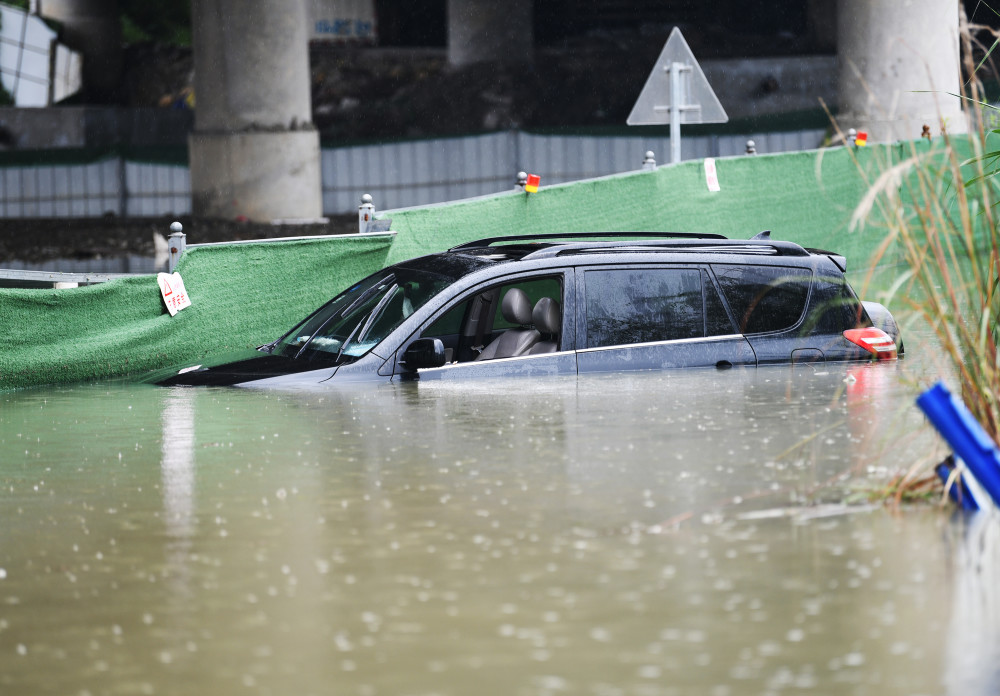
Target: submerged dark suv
[(569, 304)]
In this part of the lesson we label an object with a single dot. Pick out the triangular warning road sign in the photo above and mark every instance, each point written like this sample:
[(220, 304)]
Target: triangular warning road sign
[(698, 101)]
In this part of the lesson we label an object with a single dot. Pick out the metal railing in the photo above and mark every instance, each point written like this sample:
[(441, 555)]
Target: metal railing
[(398, 175)]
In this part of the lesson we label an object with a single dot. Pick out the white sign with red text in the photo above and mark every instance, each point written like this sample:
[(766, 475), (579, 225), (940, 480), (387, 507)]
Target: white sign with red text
[(174, 294), (711, 175)]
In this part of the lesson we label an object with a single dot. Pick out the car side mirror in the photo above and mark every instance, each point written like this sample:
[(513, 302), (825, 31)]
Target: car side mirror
[(424, 352)]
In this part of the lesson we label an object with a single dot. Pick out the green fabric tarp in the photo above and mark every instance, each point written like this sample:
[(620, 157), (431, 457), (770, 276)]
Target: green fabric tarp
[(242, 295), (803, 197)]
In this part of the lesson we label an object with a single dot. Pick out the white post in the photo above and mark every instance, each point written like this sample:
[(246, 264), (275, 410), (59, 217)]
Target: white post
[(366, 213), (176, 245)]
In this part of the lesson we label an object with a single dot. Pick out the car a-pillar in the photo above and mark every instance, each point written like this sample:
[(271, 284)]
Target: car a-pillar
[(254, 152)]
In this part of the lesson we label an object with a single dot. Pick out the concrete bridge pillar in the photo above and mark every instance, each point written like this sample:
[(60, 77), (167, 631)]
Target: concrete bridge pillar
[(490, 30), (889, 50), (93, 28), (254, 151)]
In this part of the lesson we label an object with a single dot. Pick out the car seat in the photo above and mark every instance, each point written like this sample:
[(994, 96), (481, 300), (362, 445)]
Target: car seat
[(547, 320), (516, 309)]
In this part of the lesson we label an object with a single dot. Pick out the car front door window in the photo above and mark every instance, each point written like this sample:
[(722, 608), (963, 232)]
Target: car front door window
[(475, 329)]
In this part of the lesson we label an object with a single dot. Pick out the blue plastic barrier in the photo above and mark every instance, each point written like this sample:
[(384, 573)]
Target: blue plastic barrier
[(966, 436)]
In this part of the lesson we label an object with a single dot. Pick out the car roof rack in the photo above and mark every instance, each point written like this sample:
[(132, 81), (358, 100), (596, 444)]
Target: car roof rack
[(490, 241), (756, 247)]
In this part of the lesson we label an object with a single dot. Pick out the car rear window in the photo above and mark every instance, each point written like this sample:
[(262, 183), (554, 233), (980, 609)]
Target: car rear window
[(764, 298), (627, 306)]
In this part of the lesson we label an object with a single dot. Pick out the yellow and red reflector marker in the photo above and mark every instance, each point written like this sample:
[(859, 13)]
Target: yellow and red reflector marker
[(862, 139), (531, 185), (875, 341)]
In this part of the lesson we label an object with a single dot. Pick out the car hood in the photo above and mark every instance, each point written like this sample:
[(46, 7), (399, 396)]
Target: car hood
[(236, 368)]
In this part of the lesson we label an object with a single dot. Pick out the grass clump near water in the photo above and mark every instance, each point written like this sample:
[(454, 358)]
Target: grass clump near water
[(936, 201)]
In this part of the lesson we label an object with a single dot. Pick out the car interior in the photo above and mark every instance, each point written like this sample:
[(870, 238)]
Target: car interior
[(503, 321)]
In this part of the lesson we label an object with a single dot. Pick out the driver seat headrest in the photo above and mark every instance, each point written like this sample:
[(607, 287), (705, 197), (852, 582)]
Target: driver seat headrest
[(516, 307)]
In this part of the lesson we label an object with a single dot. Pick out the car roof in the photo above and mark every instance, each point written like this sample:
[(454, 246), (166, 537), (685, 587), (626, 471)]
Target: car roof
[(467, 258)]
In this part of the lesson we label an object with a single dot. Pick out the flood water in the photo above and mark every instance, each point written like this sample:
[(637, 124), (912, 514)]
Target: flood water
[(644, 534)]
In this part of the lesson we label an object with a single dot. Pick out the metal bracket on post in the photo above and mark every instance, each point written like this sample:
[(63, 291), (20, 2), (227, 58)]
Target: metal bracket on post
[(176, 245), (366, 213)]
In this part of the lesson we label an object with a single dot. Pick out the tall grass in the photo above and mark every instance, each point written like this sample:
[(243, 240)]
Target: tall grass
[(936, 200)]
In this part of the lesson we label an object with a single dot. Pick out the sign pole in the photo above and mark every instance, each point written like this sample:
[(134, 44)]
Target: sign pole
[(675, 111)]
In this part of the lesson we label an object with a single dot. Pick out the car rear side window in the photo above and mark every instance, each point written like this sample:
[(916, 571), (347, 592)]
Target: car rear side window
[(644, 305), (833, 307), (764, 298)]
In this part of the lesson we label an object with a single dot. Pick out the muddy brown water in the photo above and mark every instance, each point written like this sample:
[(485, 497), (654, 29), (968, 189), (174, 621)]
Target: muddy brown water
[(641, 534)]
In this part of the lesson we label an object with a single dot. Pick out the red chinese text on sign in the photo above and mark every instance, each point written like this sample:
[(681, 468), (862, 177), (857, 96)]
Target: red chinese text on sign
[(172, 290)]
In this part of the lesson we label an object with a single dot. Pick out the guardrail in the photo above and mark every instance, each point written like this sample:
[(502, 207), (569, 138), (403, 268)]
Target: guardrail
[(177, 246), (46, 279)]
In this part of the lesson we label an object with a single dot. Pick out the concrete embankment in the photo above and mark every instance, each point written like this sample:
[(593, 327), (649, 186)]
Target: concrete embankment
[(247, 294)]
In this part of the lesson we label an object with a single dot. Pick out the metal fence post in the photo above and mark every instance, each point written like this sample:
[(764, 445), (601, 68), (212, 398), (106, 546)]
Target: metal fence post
[(122, 186), (176, 244), (366, 213)]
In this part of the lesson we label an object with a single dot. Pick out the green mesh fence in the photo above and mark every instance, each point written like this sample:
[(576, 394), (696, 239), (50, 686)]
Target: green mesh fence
[(804, 197), (242, 295)]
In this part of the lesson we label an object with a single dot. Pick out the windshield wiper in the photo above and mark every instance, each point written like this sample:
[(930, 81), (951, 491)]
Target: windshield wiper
[(365, 295), (366, 324), (343, 313), (269, 347)]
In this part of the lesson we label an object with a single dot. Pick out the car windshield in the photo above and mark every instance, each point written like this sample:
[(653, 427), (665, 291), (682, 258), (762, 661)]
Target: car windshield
[(355, 321)]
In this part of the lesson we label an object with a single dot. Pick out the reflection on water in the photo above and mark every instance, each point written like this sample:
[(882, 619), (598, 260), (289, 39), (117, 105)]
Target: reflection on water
[(973, 657), (602, 535), (177, 463)]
